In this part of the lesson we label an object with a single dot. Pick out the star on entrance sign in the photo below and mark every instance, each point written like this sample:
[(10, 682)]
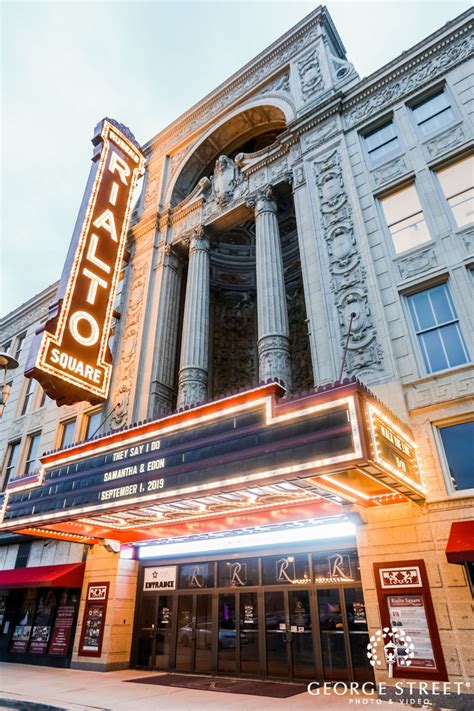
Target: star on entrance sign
[(155, 574)]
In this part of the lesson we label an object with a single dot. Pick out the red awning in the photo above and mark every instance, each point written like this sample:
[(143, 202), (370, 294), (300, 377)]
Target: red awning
[(460, 548), (44, 576)]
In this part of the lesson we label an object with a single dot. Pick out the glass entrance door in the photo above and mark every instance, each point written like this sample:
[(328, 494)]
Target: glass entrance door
[(289, 634), (301, 632), (163, 631), (194, 635), (154, 639)]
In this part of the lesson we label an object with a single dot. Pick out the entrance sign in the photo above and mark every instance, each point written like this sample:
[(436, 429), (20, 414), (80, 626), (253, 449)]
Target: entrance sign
[(71, 357), (162, 578)]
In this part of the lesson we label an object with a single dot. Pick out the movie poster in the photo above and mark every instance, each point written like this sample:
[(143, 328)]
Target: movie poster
[(22, 631), (43, 621), (94, 622)]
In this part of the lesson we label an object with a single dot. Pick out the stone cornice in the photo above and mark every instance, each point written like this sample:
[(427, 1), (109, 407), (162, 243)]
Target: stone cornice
[(259, 70), (409, 60), (146, 225), (44, 298)]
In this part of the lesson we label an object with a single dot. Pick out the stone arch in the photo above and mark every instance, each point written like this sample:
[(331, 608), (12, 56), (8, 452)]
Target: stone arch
[(255, 123)]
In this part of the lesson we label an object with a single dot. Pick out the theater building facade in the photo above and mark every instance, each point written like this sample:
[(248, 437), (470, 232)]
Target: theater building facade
[(281, 468)]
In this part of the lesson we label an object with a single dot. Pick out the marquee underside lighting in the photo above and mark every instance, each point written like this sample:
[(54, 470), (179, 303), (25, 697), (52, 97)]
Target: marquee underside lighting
[(304, 532)]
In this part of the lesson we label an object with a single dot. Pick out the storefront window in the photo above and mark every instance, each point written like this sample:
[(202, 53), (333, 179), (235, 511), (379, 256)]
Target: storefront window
[(336, 566), (238, 573), (44, 622), (196, 576), (285, 570)]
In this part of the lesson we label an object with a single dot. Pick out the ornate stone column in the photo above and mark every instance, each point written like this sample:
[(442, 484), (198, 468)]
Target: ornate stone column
[(163, 386), (194, 363), (272, 313)]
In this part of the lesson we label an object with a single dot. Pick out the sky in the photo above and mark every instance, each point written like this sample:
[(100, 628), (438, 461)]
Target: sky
[(66, 65)]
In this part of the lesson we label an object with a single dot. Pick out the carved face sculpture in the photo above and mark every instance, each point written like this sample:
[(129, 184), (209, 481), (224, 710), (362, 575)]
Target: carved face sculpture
[(223, 176)]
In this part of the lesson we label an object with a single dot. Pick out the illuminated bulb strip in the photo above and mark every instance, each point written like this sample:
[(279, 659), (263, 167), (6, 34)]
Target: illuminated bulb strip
[(375, 412), (360, 494), (331, 490), (58, 534), (270, 419), (198, 517), (6, 497), (251, 540)]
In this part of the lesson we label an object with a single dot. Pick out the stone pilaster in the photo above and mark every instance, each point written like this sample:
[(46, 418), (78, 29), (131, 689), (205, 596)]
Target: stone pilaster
[(194, 363), (163, 385), (272, 314)]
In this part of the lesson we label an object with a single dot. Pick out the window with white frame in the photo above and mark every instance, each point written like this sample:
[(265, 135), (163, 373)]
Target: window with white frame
[(382, 144), (13, 457), (434, 113), (67, 433), (437, 328), (458, 446), (29, 396), (32, 452), (44, 398), (93, 421), (20, 340), (405, 219), (457, 183)]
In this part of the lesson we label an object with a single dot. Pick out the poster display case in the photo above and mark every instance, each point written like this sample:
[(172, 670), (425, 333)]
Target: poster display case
[(93, 623), (405, 603)]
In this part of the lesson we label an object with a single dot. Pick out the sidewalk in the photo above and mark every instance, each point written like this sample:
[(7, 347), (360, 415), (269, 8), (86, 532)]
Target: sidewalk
[(23, 686)]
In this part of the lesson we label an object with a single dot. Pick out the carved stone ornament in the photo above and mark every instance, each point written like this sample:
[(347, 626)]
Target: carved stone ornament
[(311, 79), (128, 349), (226, 185), (192, 386), (348, 275), (274, 357), (299, 176), (468, 239), (389, 171), (234, 348), (279, 85), (401, 85), (446, 140), (417, 263), (320, 134), (163, 399), (342, 68), (152, 184), (18, 325)]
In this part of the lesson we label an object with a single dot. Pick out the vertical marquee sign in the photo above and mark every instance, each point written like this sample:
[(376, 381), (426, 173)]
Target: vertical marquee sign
[(70, 355)]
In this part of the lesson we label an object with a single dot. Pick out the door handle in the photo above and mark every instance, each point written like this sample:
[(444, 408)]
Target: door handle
[(287, 637)]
